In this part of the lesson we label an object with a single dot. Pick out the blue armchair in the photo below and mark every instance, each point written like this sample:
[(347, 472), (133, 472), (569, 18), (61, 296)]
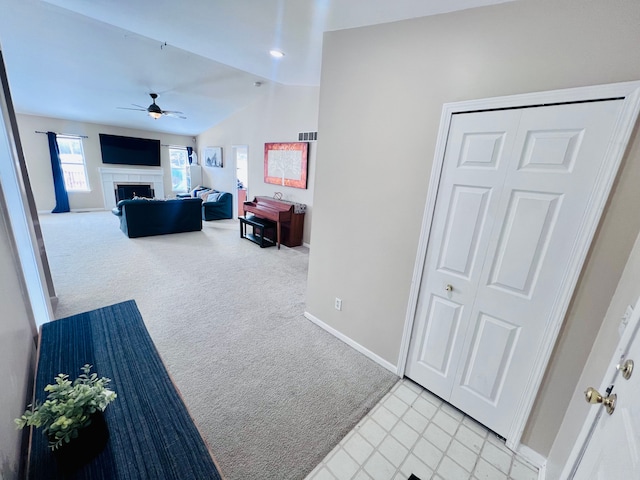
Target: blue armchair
[(217, 205)]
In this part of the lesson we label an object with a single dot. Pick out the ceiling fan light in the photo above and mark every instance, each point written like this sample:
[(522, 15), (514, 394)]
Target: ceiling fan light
[(155, 115)]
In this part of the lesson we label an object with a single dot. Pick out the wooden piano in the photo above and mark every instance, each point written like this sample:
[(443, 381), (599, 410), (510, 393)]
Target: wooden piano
[(289, 218)]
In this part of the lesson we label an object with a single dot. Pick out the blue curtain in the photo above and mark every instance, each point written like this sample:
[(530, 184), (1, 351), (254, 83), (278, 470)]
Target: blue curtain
[(62, 199), (189, 152)]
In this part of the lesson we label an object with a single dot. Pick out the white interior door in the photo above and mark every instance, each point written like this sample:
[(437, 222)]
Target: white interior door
[(613, 448), (515, 189)]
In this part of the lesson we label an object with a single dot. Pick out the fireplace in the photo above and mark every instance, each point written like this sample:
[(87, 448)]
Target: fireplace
[(125, 191), (111, 177)]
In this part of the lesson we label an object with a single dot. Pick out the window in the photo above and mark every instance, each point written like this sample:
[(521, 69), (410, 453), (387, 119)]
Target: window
[(179, 169), (72, 163)]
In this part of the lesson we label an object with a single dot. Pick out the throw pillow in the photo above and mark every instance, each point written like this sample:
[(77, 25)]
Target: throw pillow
[(202, 193), (212, 197), (195, 191)]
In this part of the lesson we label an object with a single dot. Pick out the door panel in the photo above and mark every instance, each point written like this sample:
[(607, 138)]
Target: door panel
[(530, 221), (465, 223), (514, 192), (485, 370), (436, 353)]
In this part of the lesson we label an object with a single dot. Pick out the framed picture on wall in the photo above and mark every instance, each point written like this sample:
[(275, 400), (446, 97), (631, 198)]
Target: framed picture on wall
[(286, 164), (212, 157)]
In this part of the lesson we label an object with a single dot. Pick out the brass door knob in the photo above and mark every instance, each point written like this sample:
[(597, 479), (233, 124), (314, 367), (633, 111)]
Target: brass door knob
[(449, 288), (626, 369), (592, 396)]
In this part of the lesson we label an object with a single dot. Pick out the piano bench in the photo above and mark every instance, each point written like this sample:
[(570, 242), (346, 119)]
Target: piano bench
[(260, 227)]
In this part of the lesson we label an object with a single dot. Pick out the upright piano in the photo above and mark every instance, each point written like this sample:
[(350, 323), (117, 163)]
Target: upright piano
[(288, 216)]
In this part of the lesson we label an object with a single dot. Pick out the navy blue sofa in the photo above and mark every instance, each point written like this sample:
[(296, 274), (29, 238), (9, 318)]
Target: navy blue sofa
[(216, 205), (142, 217)]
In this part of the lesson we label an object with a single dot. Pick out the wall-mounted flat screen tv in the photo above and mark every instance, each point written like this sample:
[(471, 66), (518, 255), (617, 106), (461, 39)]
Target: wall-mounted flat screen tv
[(129, 151)]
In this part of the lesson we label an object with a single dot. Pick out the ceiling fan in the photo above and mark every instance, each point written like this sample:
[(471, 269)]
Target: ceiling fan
[(154, 110)]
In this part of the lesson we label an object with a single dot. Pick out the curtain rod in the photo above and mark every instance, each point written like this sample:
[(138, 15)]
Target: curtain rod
[(174, 146), (67, 134)]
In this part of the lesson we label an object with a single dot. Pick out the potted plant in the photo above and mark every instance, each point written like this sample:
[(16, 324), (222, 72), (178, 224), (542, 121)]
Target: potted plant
[(73, 410)]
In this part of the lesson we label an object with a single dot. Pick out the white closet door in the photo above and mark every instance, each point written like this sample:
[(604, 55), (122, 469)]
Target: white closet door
[(504, 227)]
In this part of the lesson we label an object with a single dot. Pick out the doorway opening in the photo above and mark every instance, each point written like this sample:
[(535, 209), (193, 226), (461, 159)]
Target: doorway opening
[(241, 154)]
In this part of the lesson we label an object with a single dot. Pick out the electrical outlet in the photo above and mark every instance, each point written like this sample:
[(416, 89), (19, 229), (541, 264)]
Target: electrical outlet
[(338, 303)]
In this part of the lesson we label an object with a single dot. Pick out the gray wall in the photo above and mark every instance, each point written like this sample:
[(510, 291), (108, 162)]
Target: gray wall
[(381, 97), (17, 327), (17, 349)]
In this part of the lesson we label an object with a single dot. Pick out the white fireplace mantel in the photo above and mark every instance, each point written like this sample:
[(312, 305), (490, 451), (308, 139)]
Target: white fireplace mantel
[(111, 176)]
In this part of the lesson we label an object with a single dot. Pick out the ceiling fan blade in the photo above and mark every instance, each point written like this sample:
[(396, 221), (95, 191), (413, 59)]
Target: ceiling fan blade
[(175, 114), (137, 109)]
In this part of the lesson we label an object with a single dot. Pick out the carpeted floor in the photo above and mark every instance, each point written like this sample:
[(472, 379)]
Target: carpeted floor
[(271, 392)]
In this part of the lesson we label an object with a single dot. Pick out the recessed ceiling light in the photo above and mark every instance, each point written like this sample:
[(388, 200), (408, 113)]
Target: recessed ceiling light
[(276, 53)]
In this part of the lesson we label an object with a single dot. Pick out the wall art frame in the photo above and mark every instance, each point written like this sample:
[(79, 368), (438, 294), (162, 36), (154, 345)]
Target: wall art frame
[(212, 157), (286, 164)]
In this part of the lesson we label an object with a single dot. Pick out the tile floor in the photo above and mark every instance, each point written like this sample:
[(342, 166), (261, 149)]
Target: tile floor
[(411, 431)]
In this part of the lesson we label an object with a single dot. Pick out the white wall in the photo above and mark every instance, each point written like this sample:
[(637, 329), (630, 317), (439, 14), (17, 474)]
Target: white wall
[(278, 117), (36, 152), (381, 97)]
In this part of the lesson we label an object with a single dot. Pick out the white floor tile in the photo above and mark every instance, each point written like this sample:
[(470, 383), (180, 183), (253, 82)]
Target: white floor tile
[(486, 471), (385, 418), (412, 385), (415, 420), (405, 434), (395, 405), (437, 436), (342, 465), (358, 448), (446, 423), (324, 474), (379, 467), (475, 426), (431, 398), (428, 453), (520, 471), (362, 475), (406, 394), (452, 411), (496, 457), (372, 432), (462, 455), (469, 438), (424, 407), (452, 471), (413, 465), (393, 451)]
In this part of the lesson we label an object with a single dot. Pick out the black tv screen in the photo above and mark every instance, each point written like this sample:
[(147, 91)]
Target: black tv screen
[(129, 151)]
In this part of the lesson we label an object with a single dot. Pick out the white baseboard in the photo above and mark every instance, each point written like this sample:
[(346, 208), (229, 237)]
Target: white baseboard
[(534, 458), (353, 344)]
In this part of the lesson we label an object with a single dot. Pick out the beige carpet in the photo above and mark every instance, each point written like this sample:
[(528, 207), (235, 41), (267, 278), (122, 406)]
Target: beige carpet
[(271, 392)]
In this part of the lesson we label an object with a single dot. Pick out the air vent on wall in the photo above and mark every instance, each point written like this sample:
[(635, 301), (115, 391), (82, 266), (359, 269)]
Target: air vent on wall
[(307, 136)]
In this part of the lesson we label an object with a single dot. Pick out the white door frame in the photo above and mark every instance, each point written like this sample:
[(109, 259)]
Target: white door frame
[(630, 92)]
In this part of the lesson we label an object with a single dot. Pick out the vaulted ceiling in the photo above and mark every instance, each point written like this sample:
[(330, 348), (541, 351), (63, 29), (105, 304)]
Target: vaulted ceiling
[(80, 60)]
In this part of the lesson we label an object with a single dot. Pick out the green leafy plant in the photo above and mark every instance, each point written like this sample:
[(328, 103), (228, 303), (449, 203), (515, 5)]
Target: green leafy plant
[(69, 406)]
